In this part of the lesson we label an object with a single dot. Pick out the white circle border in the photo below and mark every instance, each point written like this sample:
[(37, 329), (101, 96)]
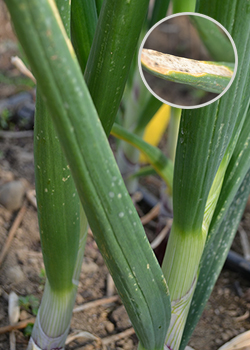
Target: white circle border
[(177, 15)]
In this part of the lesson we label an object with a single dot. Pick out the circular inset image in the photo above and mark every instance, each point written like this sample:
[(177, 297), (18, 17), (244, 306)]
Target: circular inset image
[(188, 60)]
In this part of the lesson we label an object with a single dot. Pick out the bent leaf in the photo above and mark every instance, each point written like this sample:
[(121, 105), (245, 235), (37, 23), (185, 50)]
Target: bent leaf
[(209, 76), (162, 165)]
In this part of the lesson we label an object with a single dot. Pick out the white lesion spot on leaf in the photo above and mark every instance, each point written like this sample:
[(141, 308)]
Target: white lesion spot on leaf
[(65, 178)]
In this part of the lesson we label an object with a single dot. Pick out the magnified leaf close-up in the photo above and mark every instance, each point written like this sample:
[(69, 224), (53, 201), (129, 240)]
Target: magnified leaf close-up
[(197, 63)]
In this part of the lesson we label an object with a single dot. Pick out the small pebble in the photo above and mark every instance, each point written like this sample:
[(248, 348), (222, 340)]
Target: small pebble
[(15, 274), (128, 344), (11, 194), (24, 315), (109, 326), (217, 311), (79, 299)]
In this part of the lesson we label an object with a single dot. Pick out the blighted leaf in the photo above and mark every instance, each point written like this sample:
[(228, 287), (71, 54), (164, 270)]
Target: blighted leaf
[(209, 76)]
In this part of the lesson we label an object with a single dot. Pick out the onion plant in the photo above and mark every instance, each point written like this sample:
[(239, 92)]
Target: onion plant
[(209, 179)]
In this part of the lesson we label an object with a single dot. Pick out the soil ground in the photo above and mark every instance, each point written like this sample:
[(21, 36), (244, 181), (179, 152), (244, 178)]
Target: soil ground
[(226, 313)]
